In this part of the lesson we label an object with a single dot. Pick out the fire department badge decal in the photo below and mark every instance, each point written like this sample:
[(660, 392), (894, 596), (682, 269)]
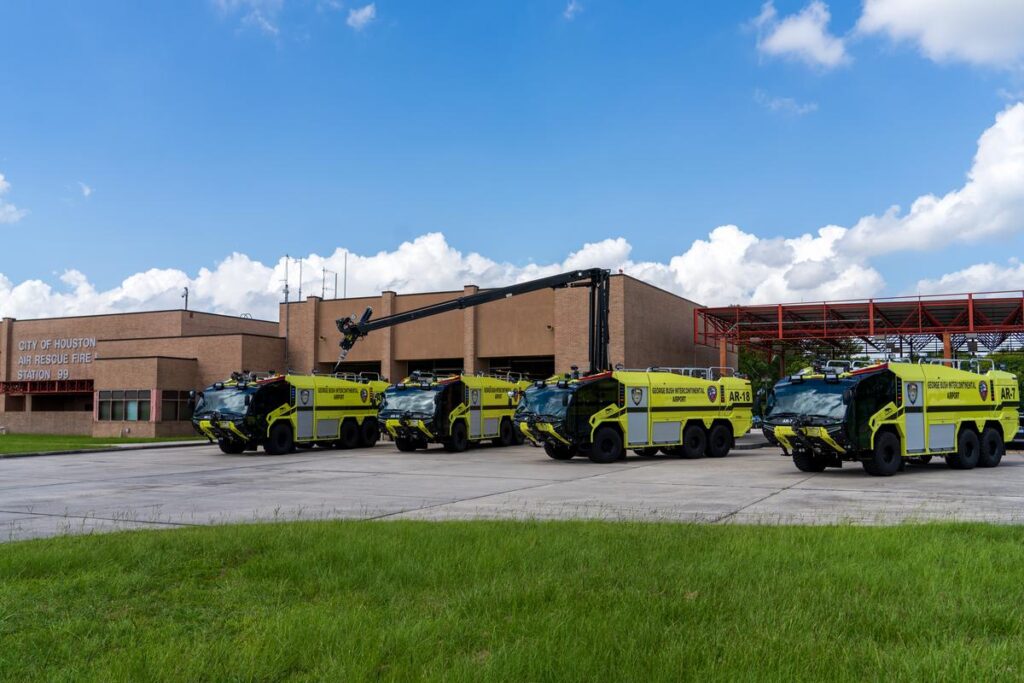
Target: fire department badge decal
[(364, 395), (912, 393), (304, 396), (983, 390), (637, 394), (712, 393)]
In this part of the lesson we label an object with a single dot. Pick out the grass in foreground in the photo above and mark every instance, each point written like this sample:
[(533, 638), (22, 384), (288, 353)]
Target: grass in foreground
[(516, 601), (40, 443)]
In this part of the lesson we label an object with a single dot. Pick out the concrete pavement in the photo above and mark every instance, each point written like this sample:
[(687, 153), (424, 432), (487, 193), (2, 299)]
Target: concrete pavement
[(170, 487)]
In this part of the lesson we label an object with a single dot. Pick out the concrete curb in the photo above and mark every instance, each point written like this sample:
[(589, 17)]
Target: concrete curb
[(118, 449)]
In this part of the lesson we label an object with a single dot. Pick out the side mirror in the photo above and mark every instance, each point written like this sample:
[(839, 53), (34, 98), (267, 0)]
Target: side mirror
[(192, 399), (248, 400), (759, 401), (847, 396), (565, 399)]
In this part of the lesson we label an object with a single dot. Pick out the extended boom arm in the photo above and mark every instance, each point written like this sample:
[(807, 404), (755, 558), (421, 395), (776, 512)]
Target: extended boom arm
[(353, 329)]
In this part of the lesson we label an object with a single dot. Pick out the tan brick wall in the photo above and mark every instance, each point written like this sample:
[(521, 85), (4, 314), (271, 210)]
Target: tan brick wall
[(58, 422), (216, 356), (659, 329)]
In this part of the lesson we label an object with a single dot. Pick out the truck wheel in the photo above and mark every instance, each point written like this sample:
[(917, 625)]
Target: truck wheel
[(405, 445), (886, 460), (695, 441), (992, 448), (607, 446), (506, 435), (809, 462), (349, 435), (559, 452), (280, 440), (968, 451), (369, 433), (719, 441), (457, 440), (231, 447)]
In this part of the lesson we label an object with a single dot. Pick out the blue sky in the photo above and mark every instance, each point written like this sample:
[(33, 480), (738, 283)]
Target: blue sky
[(520, 130)]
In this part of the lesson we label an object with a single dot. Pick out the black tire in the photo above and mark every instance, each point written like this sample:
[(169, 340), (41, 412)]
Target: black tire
[(369, 433), (809, 462), (695, 441), (992, 448), (647, 452), (719, 441), (406, 445), (887, 459), (506, 435), (457, 441), (349, 435), (231, 447), (967, 453), (281, 440), (559, 451), (607, 446)]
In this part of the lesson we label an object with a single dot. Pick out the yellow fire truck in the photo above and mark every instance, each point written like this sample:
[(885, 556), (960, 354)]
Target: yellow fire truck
[(281, 412), (455, 411), (691, 412), (891, 413)]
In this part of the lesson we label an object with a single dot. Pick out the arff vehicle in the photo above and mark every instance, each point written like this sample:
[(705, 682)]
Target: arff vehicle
[(890, 413), (282, 412), (691, 412), (454, 411)]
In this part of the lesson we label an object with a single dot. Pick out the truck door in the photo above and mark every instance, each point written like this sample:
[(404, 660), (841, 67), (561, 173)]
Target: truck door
[(303, 414), (913, 401), (637, 415), (476, 413)]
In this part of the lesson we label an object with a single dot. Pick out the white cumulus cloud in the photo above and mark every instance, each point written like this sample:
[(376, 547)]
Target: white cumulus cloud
[(981, 277), (803, 36), (571, 10), (9, 213), (784, 105), (990, 203), (358, 18), (983, 32)]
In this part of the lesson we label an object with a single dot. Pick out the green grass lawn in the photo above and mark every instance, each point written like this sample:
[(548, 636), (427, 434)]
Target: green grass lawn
[(39, 443), (523, 601)]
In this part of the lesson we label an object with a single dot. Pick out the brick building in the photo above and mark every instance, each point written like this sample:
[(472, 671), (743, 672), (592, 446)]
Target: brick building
[(537, 333), (130, 373)]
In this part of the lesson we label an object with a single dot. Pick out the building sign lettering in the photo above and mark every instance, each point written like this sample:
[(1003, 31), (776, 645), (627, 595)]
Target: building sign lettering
[(48, 359)]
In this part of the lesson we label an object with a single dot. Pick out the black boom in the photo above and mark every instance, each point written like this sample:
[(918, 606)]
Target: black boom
[(597, 279)]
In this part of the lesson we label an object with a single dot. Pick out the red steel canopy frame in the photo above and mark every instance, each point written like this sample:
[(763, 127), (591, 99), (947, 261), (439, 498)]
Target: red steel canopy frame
[(991, 318)]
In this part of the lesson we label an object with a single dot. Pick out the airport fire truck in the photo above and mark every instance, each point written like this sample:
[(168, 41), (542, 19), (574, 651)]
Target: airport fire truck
[(888, 414), (455, 411), (690, 412), (282, 412)]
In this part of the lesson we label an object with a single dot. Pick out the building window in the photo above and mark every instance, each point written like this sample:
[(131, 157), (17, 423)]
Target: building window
[(174, 406), (128, 405)]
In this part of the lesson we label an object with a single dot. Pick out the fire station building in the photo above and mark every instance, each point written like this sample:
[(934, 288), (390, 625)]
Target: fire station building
[(129, 374)]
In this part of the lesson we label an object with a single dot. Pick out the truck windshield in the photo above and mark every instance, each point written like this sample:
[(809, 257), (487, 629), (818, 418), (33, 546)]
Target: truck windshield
[(229, 400), (545, 402), (810, 398), (415, 401)]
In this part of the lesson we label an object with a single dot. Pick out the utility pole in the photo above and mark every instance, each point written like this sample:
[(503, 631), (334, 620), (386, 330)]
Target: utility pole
[(287, 316), (184, 295), (323, 284)]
